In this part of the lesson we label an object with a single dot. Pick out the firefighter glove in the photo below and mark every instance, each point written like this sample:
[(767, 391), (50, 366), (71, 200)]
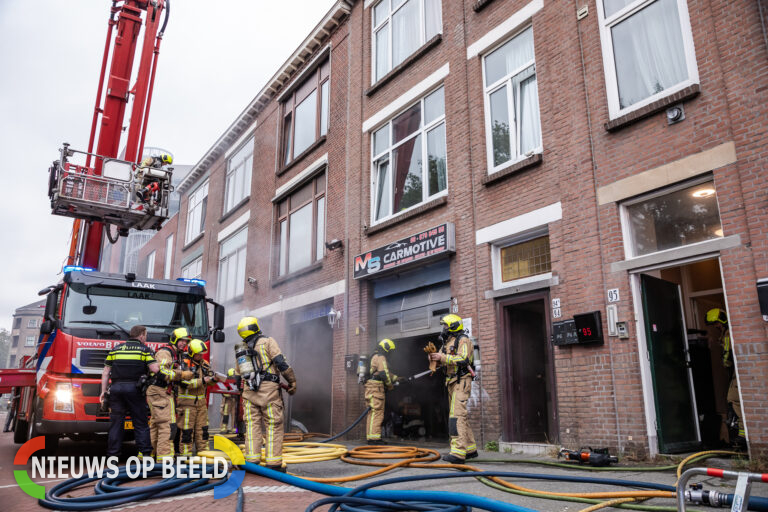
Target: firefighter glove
[(187, 375), (437, 356), (290, 376)]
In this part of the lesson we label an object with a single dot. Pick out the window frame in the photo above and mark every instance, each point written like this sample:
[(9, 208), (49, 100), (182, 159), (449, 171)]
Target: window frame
[(496, 263), (422, 130), (32, 323), (315, 197), (239, 289), (30, 341), (626, 223), (196, 261), (168, 263), (322, 110), (202, 202), (151, 265), (609, 67), (388, 21), (508, 81), (245, 181)]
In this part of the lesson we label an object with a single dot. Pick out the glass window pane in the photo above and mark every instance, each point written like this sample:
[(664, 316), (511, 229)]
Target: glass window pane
[(530, 130), (283, 247), (434, 106), (233, 243), (240, 273), (525, 259), (231, 276), (320, 184), (500, 127), (436, 155), (168, 257), (324, 107), (306, 120), (320, 228), (325, 69), (380, 140), (406, 32), (282, 208), (300, 238), (380, 12), (287, 139), (614, 6), (510, 57), (408, 186), (382, 51), (676, 219), (301, 196), (433, 21), (648, 52), (383, 186), (406, 123)]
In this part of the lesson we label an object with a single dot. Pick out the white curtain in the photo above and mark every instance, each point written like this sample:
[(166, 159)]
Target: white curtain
[(406, 31), (434, 20), (649, 54), (530, 130)]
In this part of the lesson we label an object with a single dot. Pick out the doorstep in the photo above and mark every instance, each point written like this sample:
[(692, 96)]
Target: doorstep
[(528, 448)]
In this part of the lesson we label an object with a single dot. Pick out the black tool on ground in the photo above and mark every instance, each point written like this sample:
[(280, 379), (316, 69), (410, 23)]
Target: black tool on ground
[(594, 457)]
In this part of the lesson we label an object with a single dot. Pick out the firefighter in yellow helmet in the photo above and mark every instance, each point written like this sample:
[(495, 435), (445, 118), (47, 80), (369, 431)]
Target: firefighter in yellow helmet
[(457, 357), (260, 363), (160, 393), (229, 408), (192, 418), (737, 435), (379, 380)]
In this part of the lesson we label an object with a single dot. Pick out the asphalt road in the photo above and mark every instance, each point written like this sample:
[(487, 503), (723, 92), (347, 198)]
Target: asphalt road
[(264, 494)]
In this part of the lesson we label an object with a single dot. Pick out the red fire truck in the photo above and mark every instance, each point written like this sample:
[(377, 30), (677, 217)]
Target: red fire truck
[(56, 392)]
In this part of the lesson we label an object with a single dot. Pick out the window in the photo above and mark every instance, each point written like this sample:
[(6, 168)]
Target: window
[(301, 227), (12, 362), (305, 113), (15, 342), (32, 322), (399, 29), (198, 200), (17, 322), (30, 342), (232, 266), (193, 270), (511, 102), (151, 265), (238, 181), (673, 218), (400, 149), (525, 259), (168, 257), (648, 51)]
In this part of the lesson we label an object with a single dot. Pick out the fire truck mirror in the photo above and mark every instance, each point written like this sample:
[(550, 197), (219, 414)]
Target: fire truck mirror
[(46, 327), (218, 318), (89, 310), (218, 336), (50, 306)]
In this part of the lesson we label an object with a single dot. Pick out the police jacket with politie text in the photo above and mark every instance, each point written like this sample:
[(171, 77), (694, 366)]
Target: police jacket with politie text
[(129, 361)]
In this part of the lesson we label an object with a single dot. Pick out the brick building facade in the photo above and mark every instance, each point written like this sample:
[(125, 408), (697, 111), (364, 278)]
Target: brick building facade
[(541, 168), (24, 333)]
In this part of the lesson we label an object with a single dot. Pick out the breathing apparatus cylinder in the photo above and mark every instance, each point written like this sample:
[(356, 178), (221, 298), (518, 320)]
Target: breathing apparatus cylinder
[(362, 369), (244, 360)]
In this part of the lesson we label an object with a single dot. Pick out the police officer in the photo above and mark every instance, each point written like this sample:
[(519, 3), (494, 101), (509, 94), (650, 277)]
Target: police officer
[(160, 394), (262, 395), (229, 407), (125, 365), (457, 356), (379, 380), (192, 401), (719, 319)]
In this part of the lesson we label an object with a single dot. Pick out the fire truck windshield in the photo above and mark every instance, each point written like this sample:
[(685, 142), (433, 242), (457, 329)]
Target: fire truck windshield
[(119, 309)]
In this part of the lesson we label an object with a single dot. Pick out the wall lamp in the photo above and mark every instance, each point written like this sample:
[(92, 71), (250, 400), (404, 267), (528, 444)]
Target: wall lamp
[(333, 244)]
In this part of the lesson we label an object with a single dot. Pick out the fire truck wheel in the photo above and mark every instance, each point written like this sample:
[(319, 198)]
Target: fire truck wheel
[(51, 440)]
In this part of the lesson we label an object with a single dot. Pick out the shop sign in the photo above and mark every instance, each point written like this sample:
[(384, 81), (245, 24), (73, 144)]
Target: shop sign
[(422, 246)]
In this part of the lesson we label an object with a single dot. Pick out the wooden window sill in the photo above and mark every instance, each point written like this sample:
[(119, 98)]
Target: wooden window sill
[(688, 93), (527, 163), (277, 281), (319, 142), (429, 205)]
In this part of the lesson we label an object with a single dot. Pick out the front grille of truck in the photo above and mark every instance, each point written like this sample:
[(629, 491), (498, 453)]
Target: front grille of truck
[(95, 410), (93, 358), (91, 389)]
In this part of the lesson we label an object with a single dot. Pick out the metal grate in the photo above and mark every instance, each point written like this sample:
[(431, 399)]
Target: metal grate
[(94, 189), (95, 410), (93, 358), (525, 259), (90, 388)]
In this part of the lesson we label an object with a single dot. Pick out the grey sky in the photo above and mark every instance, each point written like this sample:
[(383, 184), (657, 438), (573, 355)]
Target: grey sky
[(214, 58)]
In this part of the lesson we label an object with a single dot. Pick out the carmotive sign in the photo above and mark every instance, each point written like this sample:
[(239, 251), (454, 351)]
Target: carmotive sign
[(422, 246)]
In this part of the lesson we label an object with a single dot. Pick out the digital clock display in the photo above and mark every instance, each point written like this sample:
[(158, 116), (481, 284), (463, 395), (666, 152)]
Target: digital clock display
[(589, 327)]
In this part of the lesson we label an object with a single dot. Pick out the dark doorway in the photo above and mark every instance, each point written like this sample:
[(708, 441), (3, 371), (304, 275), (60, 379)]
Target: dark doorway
[(416, 410), (677, 427), (311, 357), (528, 410)]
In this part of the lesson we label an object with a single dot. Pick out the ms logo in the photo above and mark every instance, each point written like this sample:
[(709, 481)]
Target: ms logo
[(237, 458), (22, 477)]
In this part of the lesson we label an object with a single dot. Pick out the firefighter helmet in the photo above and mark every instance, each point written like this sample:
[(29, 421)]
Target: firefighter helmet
[(197, 347), (179, 334), (387, 345), (231, 372), (166, 159), (248, 326), (716, 315), (452, 323)]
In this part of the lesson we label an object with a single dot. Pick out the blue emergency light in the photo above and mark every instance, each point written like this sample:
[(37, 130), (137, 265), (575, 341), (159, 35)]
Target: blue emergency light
[(70, 268), (195, 281)]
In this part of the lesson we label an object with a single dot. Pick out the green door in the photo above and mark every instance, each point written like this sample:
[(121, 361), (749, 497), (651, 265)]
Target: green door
[(676, 425)]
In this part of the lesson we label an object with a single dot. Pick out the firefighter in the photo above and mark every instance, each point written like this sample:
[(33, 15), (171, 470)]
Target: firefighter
[(457, 356), (229, 408), (160, 394), (260, 363), (719, 318), (192, 402), (126, 365), (379, 381)]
